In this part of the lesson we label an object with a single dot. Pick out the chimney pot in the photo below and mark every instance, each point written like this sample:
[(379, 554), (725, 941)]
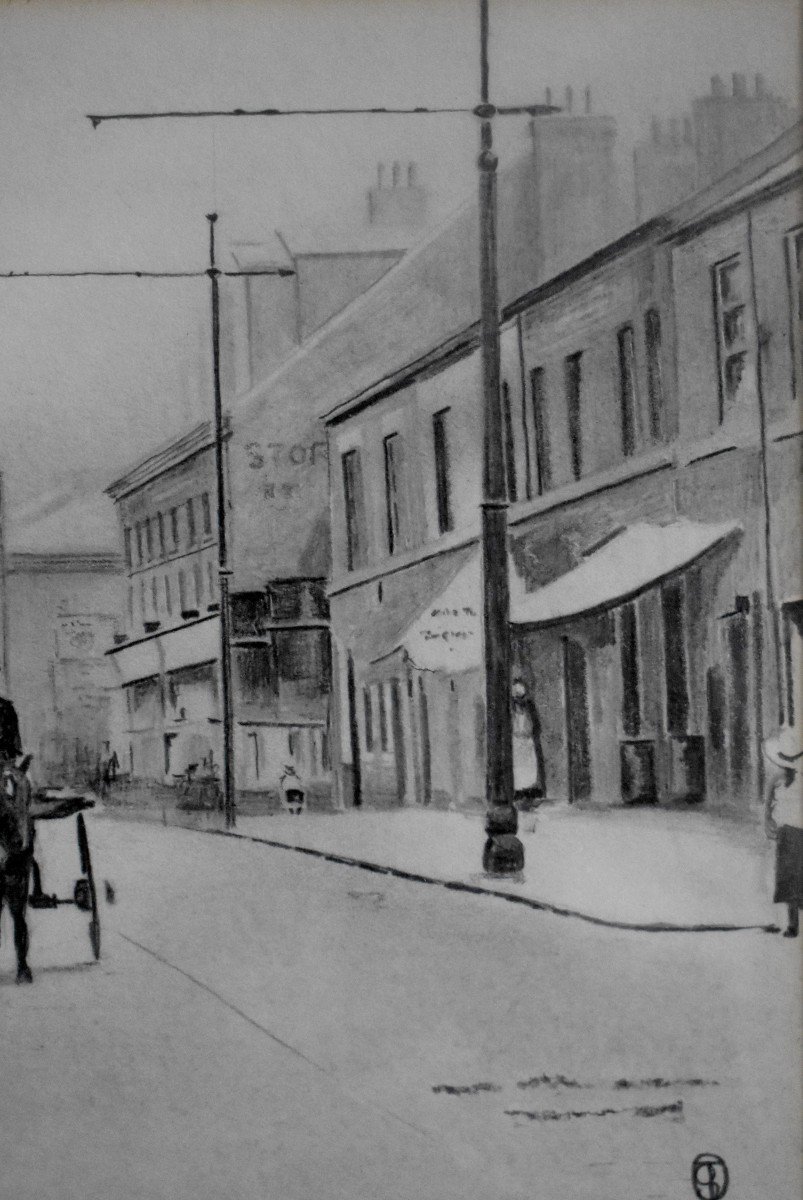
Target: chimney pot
[(717, 86), (739, 85), (569, 99), (761, 87), (396, 174), (588, 99)]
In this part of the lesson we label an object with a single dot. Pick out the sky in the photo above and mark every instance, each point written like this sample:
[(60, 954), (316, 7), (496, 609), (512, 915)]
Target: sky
[(93, 373)]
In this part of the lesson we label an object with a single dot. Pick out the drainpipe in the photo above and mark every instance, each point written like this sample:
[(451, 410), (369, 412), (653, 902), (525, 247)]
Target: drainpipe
[(772, 606)]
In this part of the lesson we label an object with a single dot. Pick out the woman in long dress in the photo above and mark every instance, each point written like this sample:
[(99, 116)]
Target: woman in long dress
[(783, 818), (528, 760)]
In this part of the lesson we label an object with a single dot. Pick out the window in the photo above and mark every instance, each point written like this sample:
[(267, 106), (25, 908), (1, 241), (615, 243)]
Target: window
[(369, 719), (143, 599), (154, 598), (631, 693), (794, 267), (356, 548), (168, 597), (384, 741), (174, 528), (543, 467), (160, 523), (395, 498), (509, 444), (182, 592), (190, 523), (573, 375), (677, 693), (210, 579), (729, 305), (655, 386), (627, 388), (443, 482), (199, 583), (139, 542), (131, 606), (127, 548), (206, 514), (149, 538)]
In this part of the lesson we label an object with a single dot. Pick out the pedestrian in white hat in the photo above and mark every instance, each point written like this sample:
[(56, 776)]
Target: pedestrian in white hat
[(783, 821)]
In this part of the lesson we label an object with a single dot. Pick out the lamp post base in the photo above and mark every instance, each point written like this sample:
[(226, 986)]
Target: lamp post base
[(503, 853)]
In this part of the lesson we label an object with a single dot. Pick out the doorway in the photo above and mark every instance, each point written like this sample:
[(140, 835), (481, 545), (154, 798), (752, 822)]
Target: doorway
[(578, 737)]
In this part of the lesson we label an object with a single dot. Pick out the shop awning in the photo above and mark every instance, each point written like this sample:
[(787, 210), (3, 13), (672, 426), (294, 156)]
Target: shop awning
[(137, 661), (640, 557), (185, 646), (447, 635)]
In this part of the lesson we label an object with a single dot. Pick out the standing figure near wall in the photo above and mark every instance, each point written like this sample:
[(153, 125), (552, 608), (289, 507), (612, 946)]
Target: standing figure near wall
[(783, 821), (529, 782)]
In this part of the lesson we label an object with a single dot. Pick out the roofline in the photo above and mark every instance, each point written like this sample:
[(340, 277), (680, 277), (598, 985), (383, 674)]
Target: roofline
[(169, 455), (21, 562), (692, 214)]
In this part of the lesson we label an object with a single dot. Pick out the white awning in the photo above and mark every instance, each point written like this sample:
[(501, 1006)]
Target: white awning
[(636, 559), (190, 645), (138, 661), (447, 636)]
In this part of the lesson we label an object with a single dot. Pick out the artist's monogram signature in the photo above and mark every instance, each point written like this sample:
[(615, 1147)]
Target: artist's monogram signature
[(709, 1177)]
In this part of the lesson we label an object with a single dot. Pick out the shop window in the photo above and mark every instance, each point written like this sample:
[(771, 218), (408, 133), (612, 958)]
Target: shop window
[(543, 465), (368, 719), (627, 388), (655, 386), (629, 654), (730, 288), (356, 541), (573, 377), (676, 676), (443, 480)]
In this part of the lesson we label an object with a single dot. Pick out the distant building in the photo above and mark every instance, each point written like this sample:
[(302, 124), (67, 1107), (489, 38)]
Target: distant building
[(63, 601), (724, 128)]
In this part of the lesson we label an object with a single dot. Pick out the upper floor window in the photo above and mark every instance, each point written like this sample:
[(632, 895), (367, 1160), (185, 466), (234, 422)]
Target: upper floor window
[(154, 598), (794, 262), (190, 523), (174, 528), (182, 592), (168, 597), (127, 546), (730, 288), (627, 388), (131, 605), (655, 385), (543, 465), (138, 529), (356, 541), (206, 514), (509, 444), (395, 498), (160, 525), (149, 538), (199, 583), (210, 578), (443, 470), (574, 379)]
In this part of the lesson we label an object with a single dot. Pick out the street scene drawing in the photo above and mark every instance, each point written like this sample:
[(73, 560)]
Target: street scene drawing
[(401, 602)]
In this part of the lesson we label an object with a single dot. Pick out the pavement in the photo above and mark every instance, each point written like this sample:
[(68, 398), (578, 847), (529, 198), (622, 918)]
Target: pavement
[(267, 1024), (623, 866)]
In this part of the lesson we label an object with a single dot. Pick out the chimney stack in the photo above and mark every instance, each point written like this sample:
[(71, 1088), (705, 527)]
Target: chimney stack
[(717, 86), (739, 86), (569, 100)]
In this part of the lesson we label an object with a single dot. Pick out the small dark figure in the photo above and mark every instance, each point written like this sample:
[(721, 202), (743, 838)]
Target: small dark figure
[(292, 790), (528, 759), (16, 835), (783, 818)]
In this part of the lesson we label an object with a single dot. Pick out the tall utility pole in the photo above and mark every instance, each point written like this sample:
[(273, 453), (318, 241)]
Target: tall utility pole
[(224, 570), (213, 273), (504, 853)]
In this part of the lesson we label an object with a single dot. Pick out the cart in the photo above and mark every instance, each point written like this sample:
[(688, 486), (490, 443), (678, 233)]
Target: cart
[(57, 805)]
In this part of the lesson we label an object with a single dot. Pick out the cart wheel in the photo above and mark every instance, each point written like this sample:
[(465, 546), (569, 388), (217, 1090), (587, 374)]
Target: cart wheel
[(86, 868)]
